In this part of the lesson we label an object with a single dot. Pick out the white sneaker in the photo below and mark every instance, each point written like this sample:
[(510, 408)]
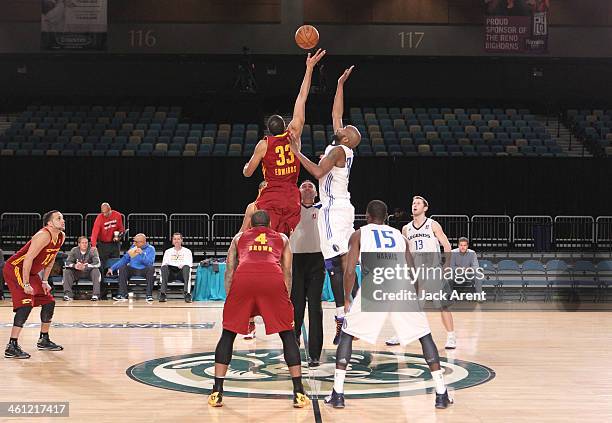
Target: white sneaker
[(67, 298), (451, 342), (251, 334), (393, 341), (94, 298)]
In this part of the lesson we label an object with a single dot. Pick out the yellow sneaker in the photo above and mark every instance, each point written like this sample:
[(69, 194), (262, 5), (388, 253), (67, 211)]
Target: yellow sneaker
[(214, 399), (300, 400)]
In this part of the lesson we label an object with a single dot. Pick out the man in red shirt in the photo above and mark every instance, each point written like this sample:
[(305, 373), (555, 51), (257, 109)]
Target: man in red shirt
[(106, 233), (258, 273), (281, 197)]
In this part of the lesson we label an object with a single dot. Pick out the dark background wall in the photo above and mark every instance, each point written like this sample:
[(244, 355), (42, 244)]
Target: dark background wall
[(402, 81), (216, 185)]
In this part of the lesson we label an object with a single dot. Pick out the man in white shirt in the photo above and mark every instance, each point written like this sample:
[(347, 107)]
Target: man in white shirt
[(176, 265)]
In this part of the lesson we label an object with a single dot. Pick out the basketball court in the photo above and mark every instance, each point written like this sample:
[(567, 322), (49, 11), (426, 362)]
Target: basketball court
[(141, 362)]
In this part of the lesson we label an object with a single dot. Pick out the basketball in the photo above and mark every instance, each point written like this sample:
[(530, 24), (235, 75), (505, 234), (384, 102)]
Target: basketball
[(307, 37)]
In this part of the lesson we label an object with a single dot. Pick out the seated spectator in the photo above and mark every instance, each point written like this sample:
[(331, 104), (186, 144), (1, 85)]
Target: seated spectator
[(466, 258), (1, 276), (176, 265), (137, 261), (82, 263)]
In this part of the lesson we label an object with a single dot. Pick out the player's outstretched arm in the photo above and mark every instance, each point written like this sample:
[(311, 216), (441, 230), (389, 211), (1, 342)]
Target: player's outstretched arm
[(246, 222), (338, 108), (352, 257), (299, 109), (231, 263), (286, 263), (336, 157), (256, 158)]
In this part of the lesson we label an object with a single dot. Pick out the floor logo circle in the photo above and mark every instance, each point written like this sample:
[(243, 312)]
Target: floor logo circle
[(263, 373)]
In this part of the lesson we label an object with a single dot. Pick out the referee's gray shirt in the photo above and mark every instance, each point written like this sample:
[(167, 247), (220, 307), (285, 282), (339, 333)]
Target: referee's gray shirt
[(305, 237)]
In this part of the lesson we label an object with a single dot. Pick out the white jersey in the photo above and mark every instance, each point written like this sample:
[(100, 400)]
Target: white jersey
[(334, 185), (381, 238), (422, 239)]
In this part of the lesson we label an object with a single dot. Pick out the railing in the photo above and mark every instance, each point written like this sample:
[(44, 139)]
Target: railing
[(491, 231), (200, 231), (603, 232), (454, 226), (17, 228), (532, 232), (573, 232), (223, 229), (74, 228), (195, 228), (153, 225)]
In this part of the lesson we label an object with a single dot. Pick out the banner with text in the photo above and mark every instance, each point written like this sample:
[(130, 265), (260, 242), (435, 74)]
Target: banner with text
[(516, 26), (74, 24)]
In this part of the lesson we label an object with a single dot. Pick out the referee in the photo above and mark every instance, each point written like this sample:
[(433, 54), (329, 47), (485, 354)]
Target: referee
[(308, 273)]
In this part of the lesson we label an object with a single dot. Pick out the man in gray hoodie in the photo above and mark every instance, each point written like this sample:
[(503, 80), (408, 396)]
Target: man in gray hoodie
[(82, 263)]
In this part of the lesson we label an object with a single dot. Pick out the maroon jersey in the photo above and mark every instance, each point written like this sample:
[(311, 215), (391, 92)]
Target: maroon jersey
[(260, 246), (279, 165), (44, 257)]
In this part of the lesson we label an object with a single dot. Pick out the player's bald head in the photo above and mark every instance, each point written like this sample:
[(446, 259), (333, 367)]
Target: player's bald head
[(376, 212), (276, 125), (350, 136), (260, 218)]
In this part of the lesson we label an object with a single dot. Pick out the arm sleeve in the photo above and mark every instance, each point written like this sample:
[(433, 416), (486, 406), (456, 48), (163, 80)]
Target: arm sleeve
[(166, 259), (70, 259), (124, 260), (474, 260), (95, 259), (95, 231), (189, 258), (120, 226), (149, 256)]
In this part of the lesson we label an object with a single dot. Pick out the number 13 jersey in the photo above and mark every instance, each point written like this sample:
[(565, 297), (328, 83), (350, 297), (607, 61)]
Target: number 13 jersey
[(422, 239)]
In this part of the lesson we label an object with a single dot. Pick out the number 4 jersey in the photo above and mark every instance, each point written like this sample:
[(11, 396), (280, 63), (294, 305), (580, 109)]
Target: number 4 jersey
[(281, 197)]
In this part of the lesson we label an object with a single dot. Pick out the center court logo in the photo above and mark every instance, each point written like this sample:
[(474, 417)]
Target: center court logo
[(263, 373)]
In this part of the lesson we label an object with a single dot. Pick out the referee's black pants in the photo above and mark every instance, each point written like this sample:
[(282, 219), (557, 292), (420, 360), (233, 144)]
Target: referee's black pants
[(307, 283)]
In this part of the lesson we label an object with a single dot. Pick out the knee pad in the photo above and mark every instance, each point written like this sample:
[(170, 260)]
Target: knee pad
[(223, 352), (333, 265), (344, 351), (291, 350), (46, 312), (21, 315), (430, 351)]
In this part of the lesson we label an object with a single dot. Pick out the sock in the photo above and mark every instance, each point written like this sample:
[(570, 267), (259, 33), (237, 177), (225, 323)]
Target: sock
[(339, 311), (13, 341), (450, 334), (438, 378), (339, 381), (297, 384), (218, 386), (44, 336)]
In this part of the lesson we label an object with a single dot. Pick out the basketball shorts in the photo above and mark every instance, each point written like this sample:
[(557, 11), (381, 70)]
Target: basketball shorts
[(13, 276), (335, 227), (408, 326), (282, 205), (257, 292)]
